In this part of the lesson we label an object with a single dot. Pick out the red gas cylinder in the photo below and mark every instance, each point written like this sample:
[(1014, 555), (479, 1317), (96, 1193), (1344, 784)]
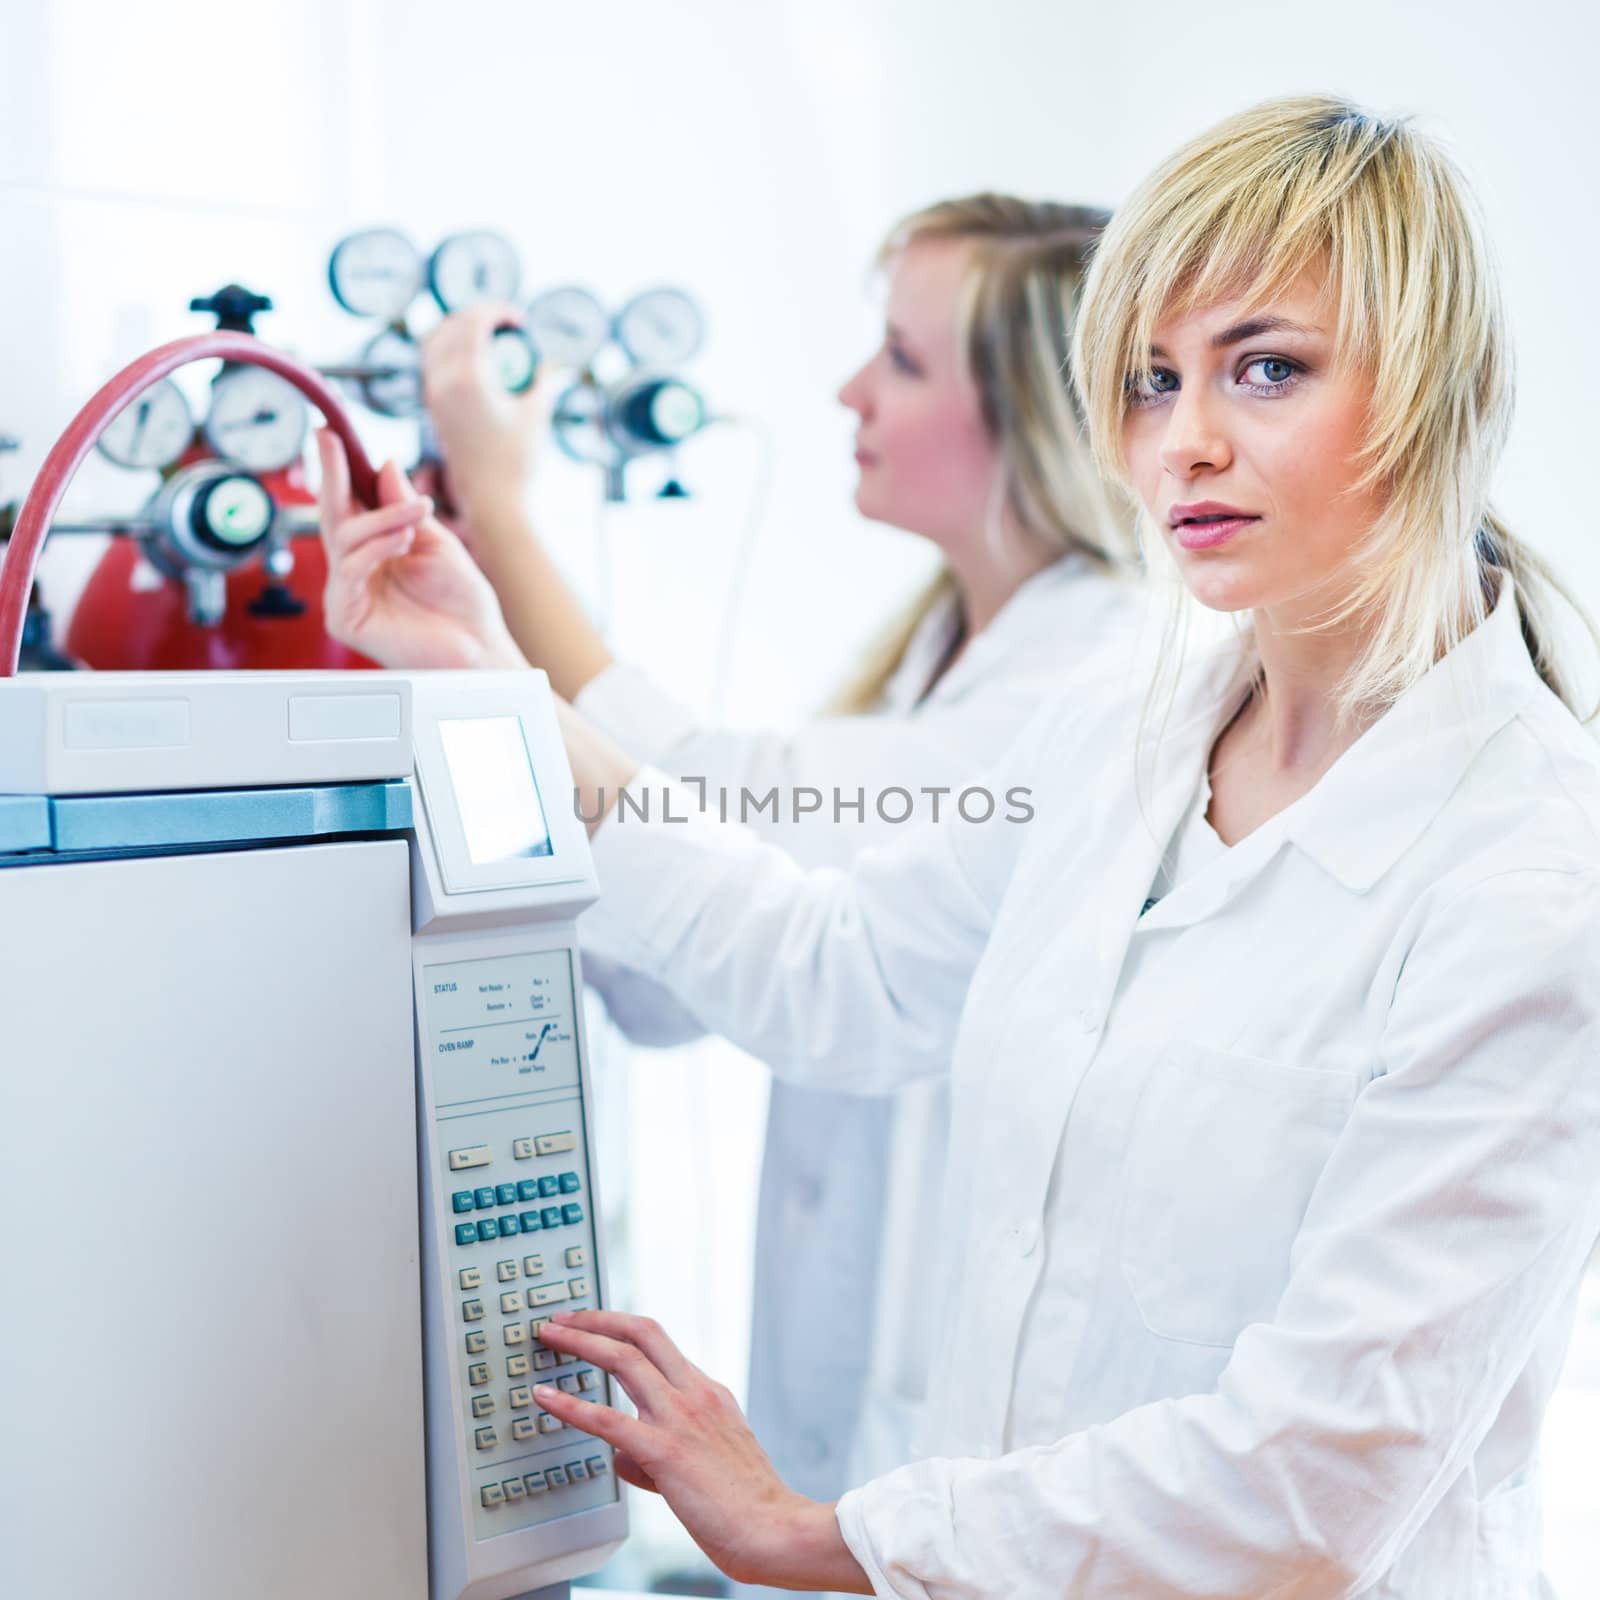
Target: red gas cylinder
[(132, 619)]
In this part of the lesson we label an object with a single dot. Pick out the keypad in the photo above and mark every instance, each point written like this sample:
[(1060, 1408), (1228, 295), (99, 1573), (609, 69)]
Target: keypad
[(490, 1213)]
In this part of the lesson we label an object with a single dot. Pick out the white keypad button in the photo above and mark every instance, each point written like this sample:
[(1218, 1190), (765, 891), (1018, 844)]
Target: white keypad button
[(579, 1287), (477, 1343), (577, 1472), (516, 1334), (597, 1466), (515, 1489), (483, 1405), (577, 1256), (471, 1278), (478, 1374), (553, 1144), (493, 1495), (522, 1429), (568, 1384), (534, 1482), (522, 1149), (517, 1366), (477, 1155), (549, 1424), (521, 1397), (589, 1379), (543, 1360), (546, 1294), (505, 1271), (486, 1438), (511, 1303), (472, 1311), (533, 1265)]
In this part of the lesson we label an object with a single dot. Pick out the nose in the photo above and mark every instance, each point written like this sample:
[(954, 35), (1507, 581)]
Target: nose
[(1194, 442), (855, 391)]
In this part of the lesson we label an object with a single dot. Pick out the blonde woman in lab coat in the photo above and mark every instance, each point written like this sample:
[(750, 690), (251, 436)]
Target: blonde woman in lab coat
[(1276, 1149), (968, 435)]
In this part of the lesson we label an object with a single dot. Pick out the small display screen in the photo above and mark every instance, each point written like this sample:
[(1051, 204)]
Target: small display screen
[(496, 791)]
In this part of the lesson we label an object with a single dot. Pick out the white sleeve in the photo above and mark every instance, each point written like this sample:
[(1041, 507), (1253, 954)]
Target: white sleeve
[(784, 786), (1452, 1221), (851, 979)]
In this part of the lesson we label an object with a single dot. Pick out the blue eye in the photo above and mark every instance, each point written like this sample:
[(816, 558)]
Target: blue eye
[(901, 361), (1143, 388), (1274, 372)]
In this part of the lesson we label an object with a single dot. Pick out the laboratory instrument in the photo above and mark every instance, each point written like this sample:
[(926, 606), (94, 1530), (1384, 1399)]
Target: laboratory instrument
[(291, 984)]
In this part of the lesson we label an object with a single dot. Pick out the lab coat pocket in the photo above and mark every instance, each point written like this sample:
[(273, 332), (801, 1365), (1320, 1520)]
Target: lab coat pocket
[(1223, 1155)]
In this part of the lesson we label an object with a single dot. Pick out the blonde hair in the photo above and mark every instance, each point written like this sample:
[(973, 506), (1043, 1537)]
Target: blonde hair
[(1244, 210), (1014, 325)]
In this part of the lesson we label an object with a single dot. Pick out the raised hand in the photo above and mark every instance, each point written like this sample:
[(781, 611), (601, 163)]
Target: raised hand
[(489, 438), (401, 587)]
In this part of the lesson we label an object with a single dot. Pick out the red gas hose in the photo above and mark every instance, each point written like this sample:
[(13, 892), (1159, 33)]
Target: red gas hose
[(44, 498)]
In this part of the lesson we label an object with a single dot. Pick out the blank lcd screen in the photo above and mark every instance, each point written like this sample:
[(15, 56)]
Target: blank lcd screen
[(496, 792)]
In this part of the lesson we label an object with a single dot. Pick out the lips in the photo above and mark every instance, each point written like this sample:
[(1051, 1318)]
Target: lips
[(1207, 523)]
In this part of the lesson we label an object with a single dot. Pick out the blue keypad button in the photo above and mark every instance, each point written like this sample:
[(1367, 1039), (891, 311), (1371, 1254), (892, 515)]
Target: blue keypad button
[(528, 1189), (572, 1213), (549, 1186), (508, 1227), (506, 1194), (487, 1230), (569, 1183), (530, 1221), (484, 1197), (461, 1201), (465, 1233), (551, 1216)]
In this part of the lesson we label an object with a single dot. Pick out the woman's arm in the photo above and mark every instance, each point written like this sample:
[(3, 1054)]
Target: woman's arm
[(489, 441), (1451, 1223)]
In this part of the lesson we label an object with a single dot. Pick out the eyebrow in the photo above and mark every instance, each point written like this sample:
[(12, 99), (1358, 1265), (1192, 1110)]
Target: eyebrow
[(1251, 328)]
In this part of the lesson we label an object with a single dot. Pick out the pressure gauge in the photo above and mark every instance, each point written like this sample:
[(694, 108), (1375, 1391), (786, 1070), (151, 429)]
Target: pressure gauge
[(394, 388), (469, 267), (515, 360), (152, 430), (568, 326), (257, 420), (660, 328), (375, 273), (657, 413), (231, 514)]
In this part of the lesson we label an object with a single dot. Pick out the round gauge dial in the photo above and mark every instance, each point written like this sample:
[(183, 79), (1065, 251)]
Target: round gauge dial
[(232, 513), (375, 273), (397, 392), (661, 412), (515, 361), (660, 328), (257, 420), (469, 267), (152, 430), (568, 326)]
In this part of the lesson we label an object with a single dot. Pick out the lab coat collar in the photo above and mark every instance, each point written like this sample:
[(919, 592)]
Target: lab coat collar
[(1379, 797)]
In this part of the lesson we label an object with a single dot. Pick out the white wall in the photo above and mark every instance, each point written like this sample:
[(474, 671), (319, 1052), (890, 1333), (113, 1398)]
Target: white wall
[(753, 153)]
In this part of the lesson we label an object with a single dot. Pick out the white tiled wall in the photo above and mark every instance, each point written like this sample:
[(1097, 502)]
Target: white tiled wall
[(754, 153)]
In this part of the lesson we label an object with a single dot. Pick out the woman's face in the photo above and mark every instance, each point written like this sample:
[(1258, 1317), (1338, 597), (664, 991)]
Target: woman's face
[(1243, 449), (926, 460)]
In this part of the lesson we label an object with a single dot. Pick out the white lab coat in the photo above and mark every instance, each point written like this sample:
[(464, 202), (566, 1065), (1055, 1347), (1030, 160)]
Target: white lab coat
[(1266, 1210), (850, 1186)]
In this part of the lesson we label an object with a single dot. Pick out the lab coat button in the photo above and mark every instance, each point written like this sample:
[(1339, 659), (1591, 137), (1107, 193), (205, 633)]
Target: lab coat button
[(1026, 1234)]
